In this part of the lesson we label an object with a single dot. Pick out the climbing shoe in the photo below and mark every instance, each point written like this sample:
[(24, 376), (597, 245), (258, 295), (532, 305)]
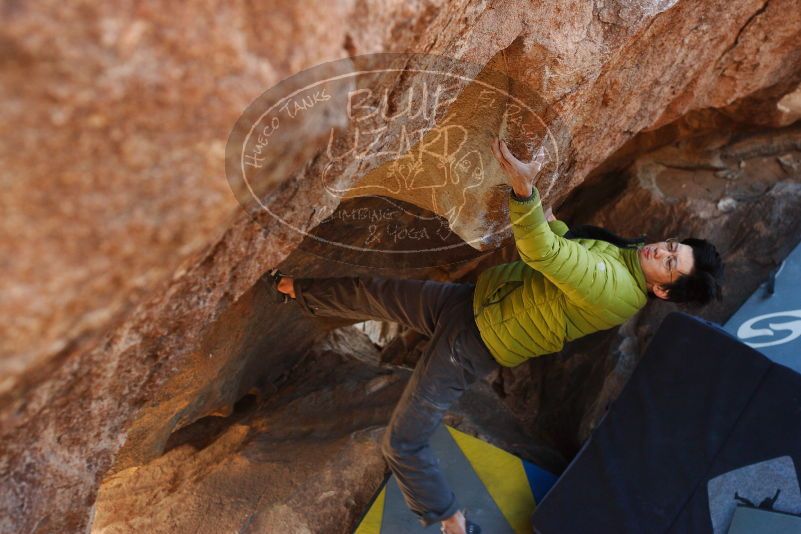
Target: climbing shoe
[(274, 276), (469, 527)]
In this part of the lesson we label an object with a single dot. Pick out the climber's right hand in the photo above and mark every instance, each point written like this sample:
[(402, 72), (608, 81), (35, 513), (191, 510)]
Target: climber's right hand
[(520, 175)]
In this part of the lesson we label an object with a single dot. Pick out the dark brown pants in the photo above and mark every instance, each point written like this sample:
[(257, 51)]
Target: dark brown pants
[(455, 358)]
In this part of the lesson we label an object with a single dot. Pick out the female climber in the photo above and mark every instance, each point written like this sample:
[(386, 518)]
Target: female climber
[(565, 285)]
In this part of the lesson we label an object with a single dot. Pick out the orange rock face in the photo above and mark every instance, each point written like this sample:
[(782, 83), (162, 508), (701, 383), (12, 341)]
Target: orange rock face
[(130, 289)]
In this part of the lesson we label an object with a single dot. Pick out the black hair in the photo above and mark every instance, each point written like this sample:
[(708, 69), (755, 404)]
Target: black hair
[(704, 282), (700, 286)]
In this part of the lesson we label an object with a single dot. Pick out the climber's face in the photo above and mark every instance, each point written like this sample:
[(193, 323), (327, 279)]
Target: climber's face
[(663, 263)]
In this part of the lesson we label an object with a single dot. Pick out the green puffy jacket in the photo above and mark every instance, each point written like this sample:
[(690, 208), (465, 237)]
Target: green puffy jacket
[(562, 289)]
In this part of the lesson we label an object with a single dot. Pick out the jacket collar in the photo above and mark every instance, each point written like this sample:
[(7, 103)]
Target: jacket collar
[(631, 258)]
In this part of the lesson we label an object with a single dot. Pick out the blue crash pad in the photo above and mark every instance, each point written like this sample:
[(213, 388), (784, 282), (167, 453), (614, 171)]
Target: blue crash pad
[(705, 424), (499, 490), (771, 323)]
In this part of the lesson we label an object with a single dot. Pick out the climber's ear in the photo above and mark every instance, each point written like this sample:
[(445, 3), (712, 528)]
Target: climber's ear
[(659, 291)]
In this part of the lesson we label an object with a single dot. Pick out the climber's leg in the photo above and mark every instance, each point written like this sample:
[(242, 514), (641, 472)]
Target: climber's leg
[(417, 304), (455, 358)]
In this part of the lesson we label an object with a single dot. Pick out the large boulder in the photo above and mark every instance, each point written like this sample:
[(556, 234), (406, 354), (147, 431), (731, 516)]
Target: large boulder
[(135, 304)]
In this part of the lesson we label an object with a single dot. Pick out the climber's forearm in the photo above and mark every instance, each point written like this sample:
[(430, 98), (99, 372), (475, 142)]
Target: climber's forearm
[(521, 190)]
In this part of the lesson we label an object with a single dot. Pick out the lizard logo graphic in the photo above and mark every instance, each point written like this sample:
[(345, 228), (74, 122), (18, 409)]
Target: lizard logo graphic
[(766, 325), (410, 130), (440, 159)]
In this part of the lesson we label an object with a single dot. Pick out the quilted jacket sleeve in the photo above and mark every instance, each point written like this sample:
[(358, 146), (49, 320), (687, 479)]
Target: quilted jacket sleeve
[(586, 277), (558, 227)]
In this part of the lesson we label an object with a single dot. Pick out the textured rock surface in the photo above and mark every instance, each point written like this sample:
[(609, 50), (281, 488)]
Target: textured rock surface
[(294, 463), (114, 123), (304, 459), (133, 107)]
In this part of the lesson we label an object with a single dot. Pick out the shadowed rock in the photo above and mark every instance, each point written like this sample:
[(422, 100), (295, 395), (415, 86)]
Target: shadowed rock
[(130, 261)]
